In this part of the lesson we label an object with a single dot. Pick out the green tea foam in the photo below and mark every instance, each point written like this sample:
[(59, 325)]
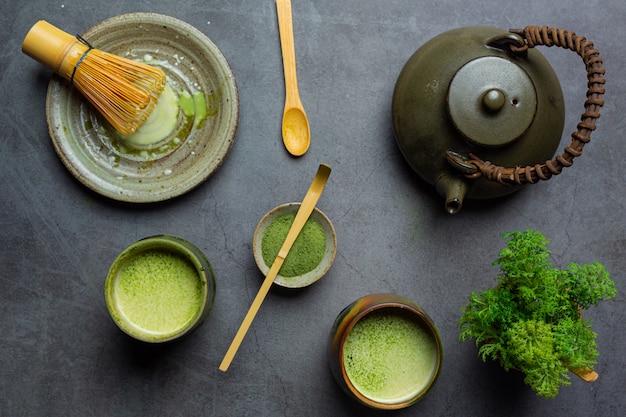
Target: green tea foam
[(158, 291), (389, 357)]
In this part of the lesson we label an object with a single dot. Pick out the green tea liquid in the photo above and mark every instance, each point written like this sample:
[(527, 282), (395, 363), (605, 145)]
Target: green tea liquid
[(158, 291), (389, 357)]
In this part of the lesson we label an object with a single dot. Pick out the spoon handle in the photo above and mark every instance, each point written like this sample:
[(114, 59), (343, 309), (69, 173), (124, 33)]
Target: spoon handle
[(303, 214), (285, 29)]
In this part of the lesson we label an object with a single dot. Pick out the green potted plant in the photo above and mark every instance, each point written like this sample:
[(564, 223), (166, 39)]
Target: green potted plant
[(532, 319)]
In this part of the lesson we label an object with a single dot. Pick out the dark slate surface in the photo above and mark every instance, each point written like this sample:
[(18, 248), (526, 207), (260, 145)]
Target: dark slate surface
[(60, 353)]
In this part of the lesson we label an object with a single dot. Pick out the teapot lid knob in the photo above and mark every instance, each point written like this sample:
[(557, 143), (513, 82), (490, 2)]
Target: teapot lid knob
[(492, 101)]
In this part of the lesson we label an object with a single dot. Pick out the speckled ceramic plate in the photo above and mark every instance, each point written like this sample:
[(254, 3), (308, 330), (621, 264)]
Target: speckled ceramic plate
[(95, 153)]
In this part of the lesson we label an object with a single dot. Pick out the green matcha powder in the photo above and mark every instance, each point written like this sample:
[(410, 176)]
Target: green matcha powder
[(305, 254)]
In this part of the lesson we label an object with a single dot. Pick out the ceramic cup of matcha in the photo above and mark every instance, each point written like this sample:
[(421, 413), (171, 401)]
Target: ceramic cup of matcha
[(385, 351), (159, 289)]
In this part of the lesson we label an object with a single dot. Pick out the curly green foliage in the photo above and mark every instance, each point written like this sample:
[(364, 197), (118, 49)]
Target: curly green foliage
[(589, 284), (531, 320), (488, 314), (531, 349), (575, 341), (524, 257)]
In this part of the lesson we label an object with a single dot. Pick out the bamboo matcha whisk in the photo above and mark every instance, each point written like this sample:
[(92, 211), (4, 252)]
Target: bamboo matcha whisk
[(122, 90)]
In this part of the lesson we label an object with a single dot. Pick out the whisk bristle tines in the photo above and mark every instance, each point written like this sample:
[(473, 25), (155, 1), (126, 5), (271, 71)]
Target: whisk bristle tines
[(122, 90)]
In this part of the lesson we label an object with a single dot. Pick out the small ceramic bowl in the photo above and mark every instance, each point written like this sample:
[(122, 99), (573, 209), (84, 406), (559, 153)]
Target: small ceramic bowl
[(313, 275), (159, 289), (374, 371)]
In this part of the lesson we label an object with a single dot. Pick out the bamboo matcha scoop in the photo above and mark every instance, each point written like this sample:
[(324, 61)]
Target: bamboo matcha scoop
[(305, 210)]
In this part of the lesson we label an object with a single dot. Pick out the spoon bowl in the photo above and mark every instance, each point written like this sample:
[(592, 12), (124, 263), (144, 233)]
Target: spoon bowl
[(295, 130), (296, 133)]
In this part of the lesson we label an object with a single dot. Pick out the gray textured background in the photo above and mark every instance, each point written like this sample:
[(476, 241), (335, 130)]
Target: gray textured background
[(61, 355)]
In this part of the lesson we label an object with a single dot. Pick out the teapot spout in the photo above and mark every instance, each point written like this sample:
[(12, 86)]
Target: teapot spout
[(453, 188)]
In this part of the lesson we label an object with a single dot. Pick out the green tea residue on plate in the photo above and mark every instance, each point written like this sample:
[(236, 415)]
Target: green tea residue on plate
[(305, 254), (195, 105), (158, 291)]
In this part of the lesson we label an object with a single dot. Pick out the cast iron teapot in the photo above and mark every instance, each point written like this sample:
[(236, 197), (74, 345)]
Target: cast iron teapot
[(478, 112)]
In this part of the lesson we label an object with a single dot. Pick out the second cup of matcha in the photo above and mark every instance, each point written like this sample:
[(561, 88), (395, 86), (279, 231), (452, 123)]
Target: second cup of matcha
[(385, 351)]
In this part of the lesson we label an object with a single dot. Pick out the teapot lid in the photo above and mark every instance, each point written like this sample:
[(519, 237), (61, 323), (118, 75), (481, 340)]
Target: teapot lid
[(492, 101)]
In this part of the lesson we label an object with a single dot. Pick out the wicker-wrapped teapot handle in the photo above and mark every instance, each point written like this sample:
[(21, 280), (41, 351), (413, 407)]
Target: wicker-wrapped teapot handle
[(549, 36)]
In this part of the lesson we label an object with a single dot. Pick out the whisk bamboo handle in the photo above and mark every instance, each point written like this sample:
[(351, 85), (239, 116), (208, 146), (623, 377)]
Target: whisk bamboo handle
[(54, 48)]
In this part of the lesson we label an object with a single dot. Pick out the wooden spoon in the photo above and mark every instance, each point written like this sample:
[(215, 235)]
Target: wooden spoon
[(305, 210), (296, 131)]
